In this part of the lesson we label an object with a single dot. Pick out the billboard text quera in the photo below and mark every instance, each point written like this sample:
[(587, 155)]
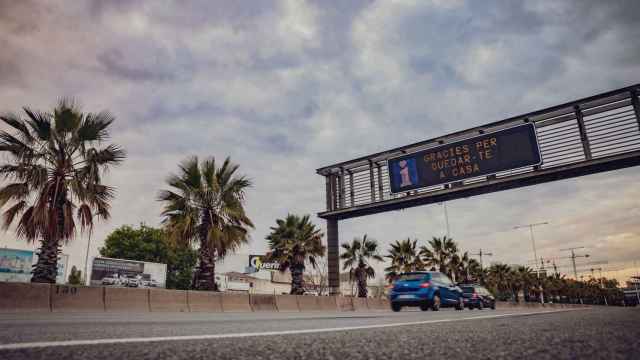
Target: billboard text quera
[(486, 154), (257, 262)]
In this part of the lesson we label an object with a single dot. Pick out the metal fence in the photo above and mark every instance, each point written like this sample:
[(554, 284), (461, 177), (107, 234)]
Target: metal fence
[(601, 128)]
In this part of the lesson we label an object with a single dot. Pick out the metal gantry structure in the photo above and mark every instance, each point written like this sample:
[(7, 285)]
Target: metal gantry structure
[(591, 135)]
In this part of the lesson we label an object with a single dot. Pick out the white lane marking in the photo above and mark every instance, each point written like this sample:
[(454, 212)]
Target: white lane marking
[(29, 345)]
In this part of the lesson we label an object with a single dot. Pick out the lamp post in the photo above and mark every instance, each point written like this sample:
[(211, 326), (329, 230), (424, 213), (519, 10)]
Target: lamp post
[(87, 281), (446, 219), (573, 258), (535, 254), (481, 254), (533, 240)]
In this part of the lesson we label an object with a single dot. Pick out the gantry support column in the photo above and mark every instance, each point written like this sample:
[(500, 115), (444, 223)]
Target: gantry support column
[(333, 256)]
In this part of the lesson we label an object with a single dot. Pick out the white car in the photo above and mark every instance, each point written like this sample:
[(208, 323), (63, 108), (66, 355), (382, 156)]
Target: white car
[(111, 280)]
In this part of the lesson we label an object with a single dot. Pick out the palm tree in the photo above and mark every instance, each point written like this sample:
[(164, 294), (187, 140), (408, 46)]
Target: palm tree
[(294, 240), (500, 278), (441, 252), (524, 279), (54, 168), (404, 258), (356, 258), (467, 268), (206, 204)]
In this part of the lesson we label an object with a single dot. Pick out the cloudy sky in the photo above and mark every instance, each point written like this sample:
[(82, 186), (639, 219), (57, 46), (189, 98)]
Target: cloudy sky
[(285, 87)]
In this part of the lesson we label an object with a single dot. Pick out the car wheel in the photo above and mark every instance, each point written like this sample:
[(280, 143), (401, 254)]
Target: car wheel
[(424, 306), (460, 304), (493, 306), (435, 303), (480, 305), (396, 307)]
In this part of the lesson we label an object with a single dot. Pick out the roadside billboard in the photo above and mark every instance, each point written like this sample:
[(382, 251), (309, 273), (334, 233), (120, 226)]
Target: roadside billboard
[(127, 273), (487, 154), (16, 265)]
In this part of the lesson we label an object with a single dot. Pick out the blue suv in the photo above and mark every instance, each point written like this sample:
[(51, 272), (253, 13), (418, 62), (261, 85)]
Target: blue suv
[(426, 289)]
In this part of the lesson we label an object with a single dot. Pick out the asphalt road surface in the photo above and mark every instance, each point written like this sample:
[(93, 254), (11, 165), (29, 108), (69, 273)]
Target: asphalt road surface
[(611, 333)]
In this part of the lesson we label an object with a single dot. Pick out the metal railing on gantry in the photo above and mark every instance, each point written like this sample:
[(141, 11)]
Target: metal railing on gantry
[(586, 136)]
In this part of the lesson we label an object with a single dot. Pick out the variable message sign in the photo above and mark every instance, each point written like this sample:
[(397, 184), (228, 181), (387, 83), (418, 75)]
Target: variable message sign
[(503, 150)]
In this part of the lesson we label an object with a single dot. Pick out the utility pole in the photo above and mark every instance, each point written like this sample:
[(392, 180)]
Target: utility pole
[(481, 254), (533, 241), (86, 261), (606, 303), (573, 258)]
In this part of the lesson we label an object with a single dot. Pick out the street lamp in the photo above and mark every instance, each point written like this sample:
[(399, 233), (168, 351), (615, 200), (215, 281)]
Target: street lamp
[(86, 257), (533, 241), (573, 258), (446, 219), (86, 263)]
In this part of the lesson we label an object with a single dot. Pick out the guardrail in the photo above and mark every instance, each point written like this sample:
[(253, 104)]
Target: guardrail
[(27, 297)]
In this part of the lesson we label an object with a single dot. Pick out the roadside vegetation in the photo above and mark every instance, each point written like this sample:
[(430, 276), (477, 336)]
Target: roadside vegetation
[(153, 245), (53, 177), (514, 283), (294, 241), (356, 257), (52, 187), (205, 204)]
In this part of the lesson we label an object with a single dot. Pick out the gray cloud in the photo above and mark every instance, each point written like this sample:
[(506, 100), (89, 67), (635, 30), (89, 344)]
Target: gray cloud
[(115, 63)]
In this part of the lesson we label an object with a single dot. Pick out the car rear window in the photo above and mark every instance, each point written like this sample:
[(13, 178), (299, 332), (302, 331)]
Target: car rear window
[(468, 289), (412, 277)]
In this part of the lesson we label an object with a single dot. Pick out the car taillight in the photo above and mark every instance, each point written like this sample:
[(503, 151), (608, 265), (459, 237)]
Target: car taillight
[(425, 285)]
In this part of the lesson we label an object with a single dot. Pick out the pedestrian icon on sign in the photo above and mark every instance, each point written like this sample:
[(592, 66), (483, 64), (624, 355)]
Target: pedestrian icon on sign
[(405, 174)]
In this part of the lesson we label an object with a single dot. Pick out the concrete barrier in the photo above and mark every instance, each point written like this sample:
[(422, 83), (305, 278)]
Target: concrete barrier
[(360, 304), (21, 297), (126, 299), (204, 301), (262, 302), (77, 298), (162, 300), (378, 304), (328, 303), (287, 303), (308, 303), (345, 303), (236, 303)]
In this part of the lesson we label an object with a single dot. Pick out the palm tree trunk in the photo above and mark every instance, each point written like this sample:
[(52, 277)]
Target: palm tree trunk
[(46, 269), (361, 277), (297, 278), (205, 278)]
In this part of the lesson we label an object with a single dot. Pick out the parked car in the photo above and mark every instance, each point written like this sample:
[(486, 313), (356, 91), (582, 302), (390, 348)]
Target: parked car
[(427, 290), (149, 283), (477, 297), (111, 280), (131, 282)]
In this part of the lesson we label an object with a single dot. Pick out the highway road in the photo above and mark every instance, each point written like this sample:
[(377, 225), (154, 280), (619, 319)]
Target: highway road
[(611, 333)]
